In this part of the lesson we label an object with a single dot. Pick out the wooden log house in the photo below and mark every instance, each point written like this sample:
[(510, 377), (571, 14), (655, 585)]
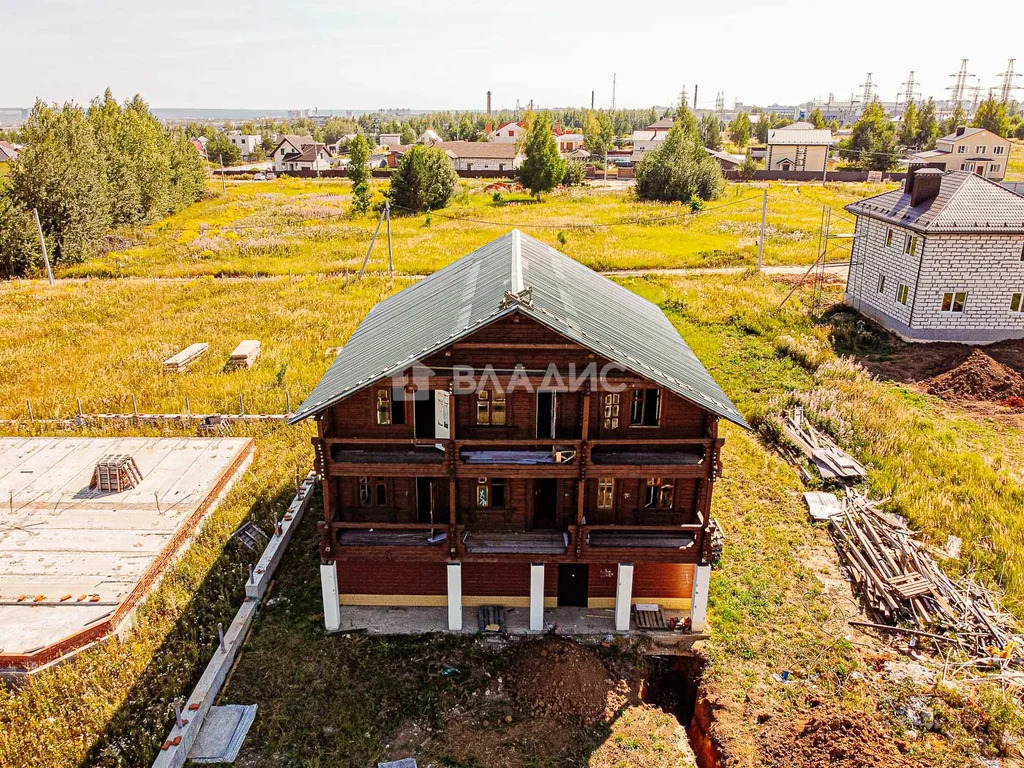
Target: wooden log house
[(517, 430)]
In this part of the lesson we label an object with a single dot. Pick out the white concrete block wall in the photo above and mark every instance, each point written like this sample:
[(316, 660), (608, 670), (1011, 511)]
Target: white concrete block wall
[(872, 258)]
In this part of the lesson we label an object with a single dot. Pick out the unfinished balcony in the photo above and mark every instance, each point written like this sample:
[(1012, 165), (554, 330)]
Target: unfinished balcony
[(518, 458), (630, 457), (369, 535), (357, 456), (537, 542)]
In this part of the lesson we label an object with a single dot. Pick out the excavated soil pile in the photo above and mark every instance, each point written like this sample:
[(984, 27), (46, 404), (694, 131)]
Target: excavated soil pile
[(830, 735), (979, 378), (565, 681)]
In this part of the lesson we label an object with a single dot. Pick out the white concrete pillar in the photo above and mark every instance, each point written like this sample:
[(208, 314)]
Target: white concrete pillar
[(455, 597), (699, 597), (332, 601), (537, 597), (623, 597)]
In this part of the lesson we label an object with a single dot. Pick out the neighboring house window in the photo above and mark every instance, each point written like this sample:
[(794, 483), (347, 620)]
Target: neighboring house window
[(1017, 302), (910, 245), (881, 283), (994, 168), (963, 166), (646, 408), (490, 493), (961, 149), (373, 492), (998, 150), (490, 407), (954, 302), (888, 238), (383, 406), (657, 495), (980, 149), (606, 490), (611, 411), (902, 291)]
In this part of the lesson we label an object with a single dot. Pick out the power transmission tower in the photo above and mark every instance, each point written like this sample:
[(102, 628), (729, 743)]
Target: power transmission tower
[(720, 102), (683, 99), (909, 92), (957, 90), (869, 91), (1008, 87), (975, 94)]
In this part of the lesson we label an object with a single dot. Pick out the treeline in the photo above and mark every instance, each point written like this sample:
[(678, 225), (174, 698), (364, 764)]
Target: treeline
[(86, 171)]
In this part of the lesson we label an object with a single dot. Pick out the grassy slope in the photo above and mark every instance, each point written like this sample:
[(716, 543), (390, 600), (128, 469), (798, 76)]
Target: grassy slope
[(299, 226), (1015, 165)]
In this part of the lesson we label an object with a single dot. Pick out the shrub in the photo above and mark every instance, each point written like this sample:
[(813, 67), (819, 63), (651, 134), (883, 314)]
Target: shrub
[(680, 169), (423, 179), (575, 173)]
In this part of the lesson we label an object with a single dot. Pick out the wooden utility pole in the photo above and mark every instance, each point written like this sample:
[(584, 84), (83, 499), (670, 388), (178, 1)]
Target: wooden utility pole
[(383, 214), (760, 240), (42, 245), (223, 186)]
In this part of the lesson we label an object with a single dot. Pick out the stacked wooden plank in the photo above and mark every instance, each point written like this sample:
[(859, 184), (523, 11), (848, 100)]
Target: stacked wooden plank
[(245, 354), (186, 357), (903, 585), (831, 461)]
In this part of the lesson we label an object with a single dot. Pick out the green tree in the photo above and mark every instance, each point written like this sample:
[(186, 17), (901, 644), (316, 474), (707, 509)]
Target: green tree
[(359, 173), (598, 133), (543, 168), (956, 119), (407, 135), (188, 171), (19, 245), (927, 126), (748, 168), (575, 173), (220, 149), (908, 126), (424, 180), (711, 131), (61, 172), (816, 119), (872, 145), (992, 116), (833, 125), (765, 124), (679, 169), (741, 129)]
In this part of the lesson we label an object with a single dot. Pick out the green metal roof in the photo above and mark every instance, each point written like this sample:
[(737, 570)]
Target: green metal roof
[(566, 296)]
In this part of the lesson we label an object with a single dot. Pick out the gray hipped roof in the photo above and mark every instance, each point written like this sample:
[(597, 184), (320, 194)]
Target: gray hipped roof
[(567, 297)]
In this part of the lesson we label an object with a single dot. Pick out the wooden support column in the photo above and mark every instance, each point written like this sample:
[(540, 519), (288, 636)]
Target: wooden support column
[(582, 458)]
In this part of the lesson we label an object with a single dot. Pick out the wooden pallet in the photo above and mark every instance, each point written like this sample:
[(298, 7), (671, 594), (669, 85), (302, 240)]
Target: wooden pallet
[(186, 357), (490, 618), (115, 473), (910, 585), (245, 354), (647, 619)]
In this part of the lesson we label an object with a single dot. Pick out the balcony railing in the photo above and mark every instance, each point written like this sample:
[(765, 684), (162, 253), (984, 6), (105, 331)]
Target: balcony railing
[(373, 534)]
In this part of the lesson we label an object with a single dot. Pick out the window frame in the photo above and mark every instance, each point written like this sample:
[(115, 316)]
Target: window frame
[(948, 307), (881, 283), (643, 401), (486, 487), (1017, 298), (961, 149), (491, 408), (659, 493), (385, 407), (999, 149), (606, 493), (902, 293), (889, 237), (910, 245), (372, 491), (612, 408)]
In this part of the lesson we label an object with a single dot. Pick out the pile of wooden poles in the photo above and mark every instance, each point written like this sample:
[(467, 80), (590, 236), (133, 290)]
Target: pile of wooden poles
[(903, 586)]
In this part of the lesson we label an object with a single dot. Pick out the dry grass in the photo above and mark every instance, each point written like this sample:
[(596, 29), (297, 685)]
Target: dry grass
[(1015, 165), (292, 226)]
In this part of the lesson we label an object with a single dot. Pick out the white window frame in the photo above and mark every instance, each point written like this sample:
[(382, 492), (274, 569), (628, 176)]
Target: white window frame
[(952, 294), (606, 493), (998, 149), (881, 283), (1017, 302), (994, 168), (981, 149), (961, 149), (889, 237), (910, 244), (902, 289)]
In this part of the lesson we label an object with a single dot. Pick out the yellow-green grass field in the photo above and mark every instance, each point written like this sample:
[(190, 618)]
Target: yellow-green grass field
[(295, 226), (1015, 165), (103, 340)]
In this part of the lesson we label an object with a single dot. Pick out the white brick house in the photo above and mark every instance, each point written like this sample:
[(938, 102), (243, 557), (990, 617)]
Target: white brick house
[(941, 260)]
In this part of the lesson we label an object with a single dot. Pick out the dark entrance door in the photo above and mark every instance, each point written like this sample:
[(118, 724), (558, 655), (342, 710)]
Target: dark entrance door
[(547, 412), (545, 503), (572, 585), (424, 413), (425, 500)]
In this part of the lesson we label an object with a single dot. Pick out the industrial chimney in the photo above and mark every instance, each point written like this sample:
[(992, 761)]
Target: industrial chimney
[(488, 102)]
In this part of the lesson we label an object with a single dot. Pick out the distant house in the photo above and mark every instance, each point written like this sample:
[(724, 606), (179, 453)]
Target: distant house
[(727, 161), (941, 259), (796, 148), (389, 139), (313, 157), (969, 149), (508, 133), (9, 151), (247, 143), (645, 141), (429, 136), (474, 155), (200, 147), (569, 142), (288, 144)]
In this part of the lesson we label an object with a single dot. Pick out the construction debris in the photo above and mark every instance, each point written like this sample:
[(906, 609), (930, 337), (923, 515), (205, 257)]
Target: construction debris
[(115, 473), (831, 461), (823, 506), (245, 355), (902, 585), (186, 357)]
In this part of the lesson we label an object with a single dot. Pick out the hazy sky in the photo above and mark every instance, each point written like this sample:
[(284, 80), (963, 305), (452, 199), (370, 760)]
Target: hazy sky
[(446, 54)]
